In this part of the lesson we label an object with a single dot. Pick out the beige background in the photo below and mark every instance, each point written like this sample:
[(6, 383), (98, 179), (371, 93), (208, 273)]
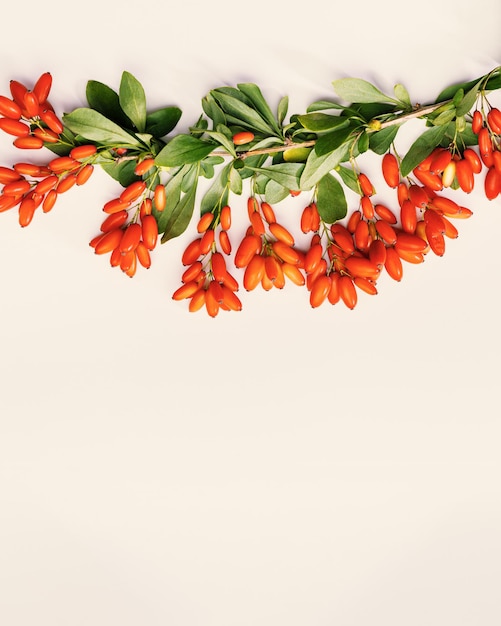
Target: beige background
[(280, 466)]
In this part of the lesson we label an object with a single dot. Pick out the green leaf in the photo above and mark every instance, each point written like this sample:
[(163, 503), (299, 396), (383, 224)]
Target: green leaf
[(331, 201), (380, 141), (123, 172), (402, 95), (468, 100), (331, 141), (222, 139), (213, 110), (178, 215), (282, 109), (322, 122), (421, 148), (257, 100), (317, 166), (323, 105), (217, 194), (94, 126), (160, 122), (359, 90), (349, 178), (133, 100), (285, 174), (274, 192), (241, 112), (183, 149), (235, 181), (173, 196), (444, 118), (105, 100)]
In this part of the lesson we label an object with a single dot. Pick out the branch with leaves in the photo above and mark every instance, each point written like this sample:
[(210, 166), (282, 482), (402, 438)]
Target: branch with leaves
[(240, 141)]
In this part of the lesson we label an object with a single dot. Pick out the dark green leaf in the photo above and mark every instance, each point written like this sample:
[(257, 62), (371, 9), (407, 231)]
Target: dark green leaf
[(380, 141), (105, 100), (235, 181), (181, 216), (213, 110), (331, 201), (331, 141), (133, 100), (122, 171), (183, 149), (222, 139), (359, 90), (160, 122), (94, 126), (173, 196), (322, 122), (421, 148), (363, 143)]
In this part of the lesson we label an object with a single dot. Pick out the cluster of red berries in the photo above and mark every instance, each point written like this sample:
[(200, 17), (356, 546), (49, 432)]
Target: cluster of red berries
[(207, 281), (29, 116), (340, 259), (29, 186), (488, 130), (130, 231)]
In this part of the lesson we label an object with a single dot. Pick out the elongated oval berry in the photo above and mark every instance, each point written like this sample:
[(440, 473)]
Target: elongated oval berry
[(365, 284), (347, 291), (160, 197), (361, 266), (418, 197), (143, 255), (361, 235), (476, 164), (254, 272), (84, 174), (133, 191), (477, 122), (8, 175), (409, 257), (281, 233), (464, 175), (197, 300), (492, 183), (353, 221), (83, 152), (66, 183), (313, 257), (249, 246), (286, 252), (242, 138), (494, 120), (191, 252), (320, 290), (53, 122), (17, 187), (9, 108), (365, 185), (413, 243), (225, 218), (377, 253), (17, 91), (218, 266), (49, 201), (45, 135), (367, 207), (484, 143), (431, 180), (293, 273), (385, 213), (391, 170), (449, 174), (231, 299), (224, 242), (393, 264), (185, 291), (149, 231), (207, 241), (386, 232), (26, 211), (204, 222), (144, 166), (109, 241), (42, 87), (62, 164), (113, 221), (441, 159), (14, 127), (268, 212), (436, 241), (31, 104), (257, 224), (192, 272)]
